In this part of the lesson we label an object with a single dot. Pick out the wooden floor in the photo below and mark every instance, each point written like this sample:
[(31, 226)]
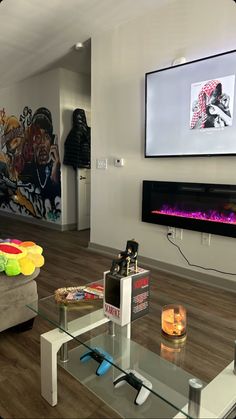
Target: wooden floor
[(208, 348)]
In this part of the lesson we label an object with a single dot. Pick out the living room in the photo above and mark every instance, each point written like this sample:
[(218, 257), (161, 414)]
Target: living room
[(121, 57), (120, 60)]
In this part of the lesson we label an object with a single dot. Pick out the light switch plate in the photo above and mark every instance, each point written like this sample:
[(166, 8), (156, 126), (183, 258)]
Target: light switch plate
[(101, 163)]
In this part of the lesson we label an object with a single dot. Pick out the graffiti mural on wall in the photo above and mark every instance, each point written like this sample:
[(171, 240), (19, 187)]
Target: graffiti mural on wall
[(30, 180)]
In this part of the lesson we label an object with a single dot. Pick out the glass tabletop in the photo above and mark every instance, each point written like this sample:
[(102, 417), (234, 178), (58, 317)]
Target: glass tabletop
[(168, 365), (52, 310)]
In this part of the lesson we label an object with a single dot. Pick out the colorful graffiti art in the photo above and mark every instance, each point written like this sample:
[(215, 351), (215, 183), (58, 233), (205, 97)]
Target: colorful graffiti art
[(30, 169)]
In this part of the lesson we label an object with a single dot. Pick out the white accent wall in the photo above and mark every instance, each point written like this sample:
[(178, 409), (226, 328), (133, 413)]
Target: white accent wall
[(120, 59)]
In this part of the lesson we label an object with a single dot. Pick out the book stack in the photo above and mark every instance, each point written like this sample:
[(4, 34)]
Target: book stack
[(94, 291)]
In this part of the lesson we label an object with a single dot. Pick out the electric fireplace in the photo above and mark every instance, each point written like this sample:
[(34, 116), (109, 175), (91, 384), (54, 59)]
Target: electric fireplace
[(205, 207)]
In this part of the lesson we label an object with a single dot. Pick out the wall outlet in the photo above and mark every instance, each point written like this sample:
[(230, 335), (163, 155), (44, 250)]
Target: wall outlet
[(171, 231), (179, 233), (206, 239)]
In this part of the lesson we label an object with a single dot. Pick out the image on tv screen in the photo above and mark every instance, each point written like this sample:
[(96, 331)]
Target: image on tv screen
[(190, 108)]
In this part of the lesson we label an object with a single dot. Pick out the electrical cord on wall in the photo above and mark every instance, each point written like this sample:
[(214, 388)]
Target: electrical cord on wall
[(192, 264)]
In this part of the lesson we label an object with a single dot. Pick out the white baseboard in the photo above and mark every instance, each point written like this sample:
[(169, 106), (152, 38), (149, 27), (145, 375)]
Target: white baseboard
[(36, 221)]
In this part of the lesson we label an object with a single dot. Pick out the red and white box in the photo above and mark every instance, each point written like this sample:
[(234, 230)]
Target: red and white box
[(126, 298)]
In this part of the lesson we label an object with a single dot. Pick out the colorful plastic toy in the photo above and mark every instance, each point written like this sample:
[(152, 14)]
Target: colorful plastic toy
[(17, 257)]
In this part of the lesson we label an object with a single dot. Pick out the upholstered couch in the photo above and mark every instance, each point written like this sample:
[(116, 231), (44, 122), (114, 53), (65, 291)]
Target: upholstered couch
[(15, 293)]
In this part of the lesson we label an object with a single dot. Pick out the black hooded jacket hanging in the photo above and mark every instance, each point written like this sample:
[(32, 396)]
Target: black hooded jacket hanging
[(77, 144)]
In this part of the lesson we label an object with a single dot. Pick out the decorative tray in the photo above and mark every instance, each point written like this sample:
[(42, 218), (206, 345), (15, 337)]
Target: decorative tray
[(78, 295)]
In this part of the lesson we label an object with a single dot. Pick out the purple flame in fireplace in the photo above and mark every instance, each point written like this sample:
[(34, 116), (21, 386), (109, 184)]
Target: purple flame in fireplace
[(209, 215)]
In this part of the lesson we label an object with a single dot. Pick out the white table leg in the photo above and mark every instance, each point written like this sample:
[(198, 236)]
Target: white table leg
[(126, 331), (51, 342), (49, 369), (64, 326)]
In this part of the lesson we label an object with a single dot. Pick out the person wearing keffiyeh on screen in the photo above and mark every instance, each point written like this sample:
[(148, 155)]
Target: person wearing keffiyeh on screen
[(211, 110)]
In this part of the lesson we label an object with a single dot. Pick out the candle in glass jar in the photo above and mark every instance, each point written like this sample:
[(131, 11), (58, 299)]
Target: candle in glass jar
[(173, 320)]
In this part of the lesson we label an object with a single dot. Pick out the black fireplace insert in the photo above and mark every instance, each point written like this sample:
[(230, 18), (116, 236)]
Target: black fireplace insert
[(204, 207)]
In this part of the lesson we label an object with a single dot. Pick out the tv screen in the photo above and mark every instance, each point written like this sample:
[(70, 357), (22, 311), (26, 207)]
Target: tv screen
[(190, 108)]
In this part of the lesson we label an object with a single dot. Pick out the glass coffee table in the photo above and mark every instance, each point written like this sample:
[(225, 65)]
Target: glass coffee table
[(174, 391)]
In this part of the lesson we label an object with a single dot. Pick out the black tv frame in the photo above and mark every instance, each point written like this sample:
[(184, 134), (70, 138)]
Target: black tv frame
[(145, 128)]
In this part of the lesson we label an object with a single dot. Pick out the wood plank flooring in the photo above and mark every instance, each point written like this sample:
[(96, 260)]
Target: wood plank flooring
[(208, 348)]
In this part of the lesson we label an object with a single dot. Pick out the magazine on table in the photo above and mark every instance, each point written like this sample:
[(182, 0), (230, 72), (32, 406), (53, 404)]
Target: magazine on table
[(94, 290)]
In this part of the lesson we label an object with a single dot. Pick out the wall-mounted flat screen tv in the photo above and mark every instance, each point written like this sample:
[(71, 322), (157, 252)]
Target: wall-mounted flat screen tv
[(190, 108)]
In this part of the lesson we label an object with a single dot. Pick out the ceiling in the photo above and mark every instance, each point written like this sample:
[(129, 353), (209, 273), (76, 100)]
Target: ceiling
[(37, 35)]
